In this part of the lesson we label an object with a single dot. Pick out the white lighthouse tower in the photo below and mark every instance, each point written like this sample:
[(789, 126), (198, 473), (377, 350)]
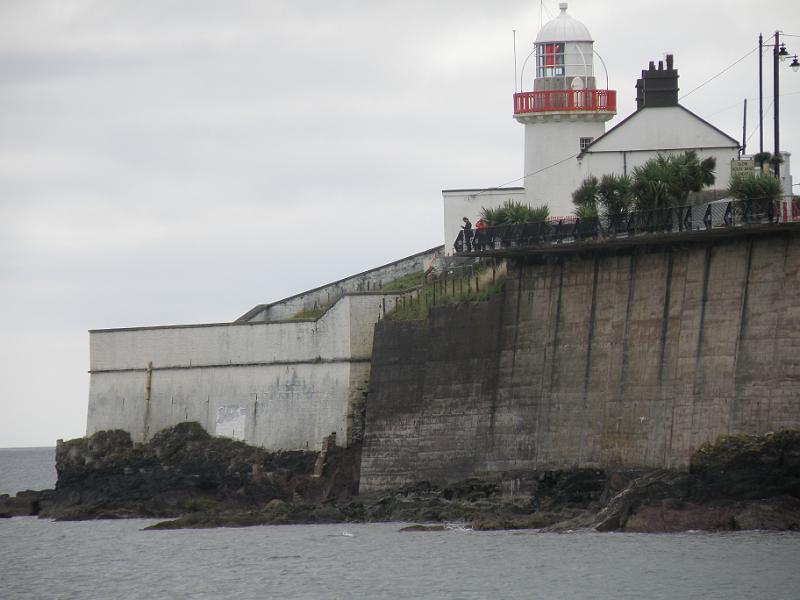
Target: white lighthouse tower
[(564, 112)]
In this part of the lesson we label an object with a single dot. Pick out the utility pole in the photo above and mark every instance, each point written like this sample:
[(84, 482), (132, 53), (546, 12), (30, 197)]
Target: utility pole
[(744, 130), (776, 84), (760, 95)]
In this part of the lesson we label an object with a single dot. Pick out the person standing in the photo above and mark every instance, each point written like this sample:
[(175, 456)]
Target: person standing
[(479, 241), (467, 227)]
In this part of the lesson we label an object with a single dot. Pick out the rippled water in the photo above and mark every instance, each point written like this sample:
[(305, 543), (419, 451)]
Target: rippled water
[(27, 469), (117, 559)]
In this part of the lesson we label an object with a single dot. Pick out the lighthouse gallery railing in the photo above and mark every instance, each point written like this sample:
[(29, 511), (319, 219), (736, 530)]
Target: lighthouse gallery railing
[(566, 101)]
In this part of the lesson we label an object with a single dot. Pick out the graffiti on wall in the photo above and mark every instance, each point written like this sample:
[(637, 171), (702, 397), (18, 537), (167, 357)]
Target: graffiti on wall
[(231, 422)]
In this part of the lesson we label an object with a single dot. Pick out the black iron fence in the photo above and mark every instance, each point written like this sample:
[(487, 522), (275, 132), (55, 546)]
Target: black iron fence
[(702, 217)]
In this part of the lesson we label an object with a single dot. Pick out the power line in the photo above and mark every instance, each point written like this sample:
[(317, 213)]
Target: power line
[(756, 127), (710, 79), (502, 185), (739, 104)]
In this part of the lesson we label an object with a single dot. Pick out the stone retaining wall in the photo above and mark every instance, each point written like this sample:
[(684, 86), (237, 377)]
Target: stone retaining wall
[(629, 357)]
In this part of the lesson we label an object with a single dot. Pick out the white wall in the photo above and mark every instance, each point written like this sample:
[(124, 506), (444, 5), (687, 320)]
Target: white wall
[(556, 140), (667, 128), (623, 163), (327, 294), (786, 174), (468, 203), (653, 131), (279, 385), (275, 406), (237, 343)]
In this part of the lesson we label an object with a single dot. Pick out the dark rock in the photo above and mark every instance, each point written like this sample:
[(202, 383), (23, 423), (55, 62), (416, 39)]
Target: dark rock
[(470, 489), (415, 528), (24, 504), (748, 467), (537, 520), (739, 482), (664, 519), (644, 490), (184, 470), (782, 514), (184, 474)]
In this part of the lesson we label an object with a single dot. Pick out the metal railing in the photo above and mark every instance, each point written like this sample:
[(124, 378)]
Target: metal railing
[(454, 284), (681, 219), (565, 100)]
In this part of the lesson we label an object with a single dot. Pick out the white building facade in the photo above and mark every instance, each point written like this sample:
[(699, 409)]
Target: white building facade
[(565, 116), (564, 113), (562, 110), (660, 125)]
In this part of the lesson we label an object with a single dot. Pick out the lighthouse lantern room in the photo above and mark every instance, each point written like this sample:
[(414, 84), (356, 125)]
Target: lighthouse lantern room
[(562, 114)]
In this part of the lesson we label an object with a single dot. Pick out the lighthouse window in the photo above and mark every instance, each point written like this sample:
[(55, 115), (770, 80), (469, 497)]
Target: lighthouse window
[(585, 141), (550, 60)]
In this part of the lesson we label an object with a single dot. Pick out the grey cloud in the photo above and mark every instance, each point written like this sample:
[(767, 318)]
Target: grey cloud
[(181, 161)]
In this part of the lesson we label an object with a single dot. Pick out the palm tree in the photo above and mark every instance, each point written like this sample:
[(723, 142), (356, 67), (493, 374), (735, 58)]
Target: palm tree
[(513, 212), (610, 197), (586, 211), (615, 195), (650, 185), (667, 180), (585, 197), (692, 174)]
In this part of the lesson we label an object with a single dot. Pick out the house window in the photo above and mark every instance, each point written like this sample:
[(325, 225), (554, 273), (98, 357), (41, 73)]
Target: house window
[(585, 141)]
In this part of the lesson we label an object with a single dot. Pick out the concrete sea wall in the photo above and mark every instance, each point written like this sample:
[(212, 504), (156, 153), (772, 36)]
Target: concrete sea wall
[(267, 378), (630, 356), (326, 295), (279, 385)]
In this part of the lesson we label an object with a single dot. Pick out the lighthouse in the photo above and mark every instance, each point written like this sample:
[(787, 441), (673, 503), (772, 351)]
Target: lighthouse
[(562, 113)]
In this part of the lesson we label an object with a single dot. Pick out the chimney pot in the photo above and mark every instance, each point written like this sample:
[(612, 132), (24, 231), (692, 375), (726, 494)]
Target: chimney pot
[(658, 88)]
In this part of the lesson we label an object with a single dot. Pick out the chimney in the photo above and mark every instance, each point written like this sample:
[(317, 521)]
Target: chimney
[(658, 86)]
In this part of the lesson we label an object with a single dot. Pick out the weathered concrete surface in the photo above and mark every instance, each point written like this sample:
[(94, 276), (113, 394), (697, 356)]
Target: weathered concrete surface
[(267, 378), (371, 280), (280, 385), (629, 358)]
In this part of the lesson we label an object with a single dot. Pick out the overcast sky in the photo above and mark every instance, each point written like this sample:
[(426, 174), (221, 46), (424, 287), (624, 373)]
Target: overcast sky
[(179, 161)]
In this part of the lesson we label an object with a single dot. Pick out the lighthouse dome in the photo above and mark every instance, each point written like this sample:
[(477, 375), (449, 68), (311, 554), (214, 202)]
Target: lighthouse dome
[(563, 29)]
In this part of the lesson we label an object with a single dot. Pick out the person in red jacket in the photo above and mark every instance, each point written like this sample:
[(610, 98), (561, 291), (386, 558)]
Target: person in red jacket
[(480, 235)]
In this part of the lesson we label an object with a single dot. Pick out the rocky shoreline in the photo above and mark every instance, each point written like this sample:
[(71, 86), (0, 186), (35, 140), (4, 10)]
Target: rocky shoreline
[(194, 480)]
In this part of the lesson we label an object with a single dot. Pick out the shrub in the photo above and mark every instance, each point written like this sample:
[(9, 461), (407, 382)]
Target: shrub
[(513, 212)]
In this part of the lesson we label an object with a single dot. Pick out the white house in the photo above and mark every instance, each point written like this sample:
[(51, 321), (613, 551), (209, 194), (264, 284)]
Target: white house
[(660, 125)]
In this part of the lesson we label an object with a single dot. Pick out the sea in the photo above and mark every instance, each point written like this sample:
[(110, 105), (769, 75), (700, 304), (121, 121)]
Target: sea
[(118, 559)]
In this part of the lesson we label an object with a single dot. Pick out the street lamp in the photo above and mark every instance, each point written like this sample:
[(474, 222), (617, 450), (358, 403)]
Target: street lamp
[(779, 54)]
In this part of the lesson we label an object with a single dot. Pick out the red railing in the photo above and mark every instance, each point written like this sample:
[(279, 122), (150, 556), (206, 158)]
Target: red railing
[(565, 101)]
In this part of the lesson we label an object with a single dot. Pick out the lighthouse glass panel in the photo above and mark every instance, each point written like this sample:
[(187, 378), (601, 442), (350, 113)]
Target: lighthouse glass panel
[(550, 59)]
